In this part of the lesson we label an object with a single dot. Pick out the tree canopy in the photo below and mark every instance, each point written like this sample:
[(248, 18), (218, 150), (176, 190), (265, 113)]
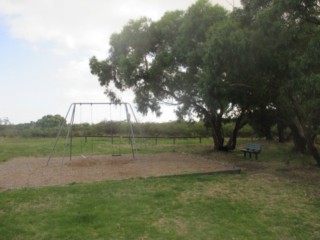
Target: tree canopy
[(258, 64), (50, 121)]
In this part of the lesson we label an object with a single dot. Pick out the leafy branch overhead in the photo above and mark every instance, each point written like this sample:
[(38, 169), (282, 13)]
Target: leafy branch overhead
[(256, 62)]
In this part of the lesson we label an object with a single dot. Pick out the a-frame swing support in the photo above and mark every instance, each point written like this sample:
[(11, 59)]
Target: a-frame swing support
[(68, 139)]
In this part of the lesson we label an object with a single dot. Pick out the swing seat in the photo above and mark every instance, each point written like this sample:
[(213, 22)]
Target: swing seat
[(116, 155)]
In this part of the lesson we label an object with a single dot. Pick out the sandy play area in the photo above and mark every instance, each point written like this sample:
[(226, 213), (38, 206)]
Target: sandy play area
[(34, 172)]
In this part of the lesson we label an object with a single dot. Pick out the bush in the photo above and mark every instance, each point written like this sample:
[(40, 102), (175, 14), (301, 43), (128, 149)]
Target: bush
[(246, 131)]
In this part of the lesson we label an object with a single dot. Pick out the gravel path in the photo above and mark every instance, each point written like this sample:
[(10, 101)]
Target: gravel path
[(34, 172)]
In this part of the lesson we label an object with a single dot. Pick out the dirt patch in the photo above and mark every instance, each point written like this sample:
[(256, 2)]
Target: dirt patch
[(34, 172)]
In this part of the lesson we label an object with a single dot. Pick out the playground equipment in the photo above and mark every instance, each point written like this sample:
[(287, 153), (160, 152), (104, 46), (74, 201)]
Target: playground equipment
[(69, 123)]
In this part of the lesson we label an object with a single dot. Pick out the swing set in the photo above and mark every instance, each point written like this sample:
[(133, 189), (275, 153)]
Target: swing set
[(116, 141)]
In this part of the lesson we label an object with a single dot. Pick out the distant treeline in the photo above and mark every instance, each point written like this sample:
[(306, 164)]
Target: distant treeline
[(49, 125)]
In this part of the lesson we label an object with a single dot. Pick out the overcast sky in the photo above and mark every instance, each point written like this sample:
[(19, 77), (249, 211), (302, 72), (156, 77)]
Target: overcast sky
[(45, 47)]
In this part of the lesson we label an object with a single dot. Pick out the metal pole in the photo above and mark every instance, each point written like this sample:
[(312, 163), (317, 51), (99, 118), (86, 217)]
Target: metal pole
[(58, 135), (131, 135), (68, 134), (72, 121)]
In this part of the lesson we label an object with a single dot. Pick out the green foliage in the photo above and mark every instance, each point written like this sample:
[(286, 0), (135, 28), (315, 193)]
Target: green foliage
[(164, 60), (149, 129), (47, 126), (169, 129), (246, 132), (258, 64), (289, 33), (50, 121), (262, 121)]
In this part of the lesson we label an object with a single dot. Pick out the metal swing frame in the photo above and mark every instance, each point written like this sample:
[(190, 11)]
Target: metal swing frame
[(72, 110)]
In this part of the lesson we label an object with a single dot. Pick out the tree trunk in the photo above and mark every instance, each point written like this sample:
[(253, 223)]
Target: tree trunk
[(281, 134), (218, 138), (216, 132), (299, 136), (268, 133), (314, 151), (232, 143), (300, 143), (304, 139)]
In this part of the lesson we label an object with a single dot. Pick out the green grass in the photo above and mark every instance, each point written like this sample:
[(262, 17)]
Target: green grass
[(24, 147), (190, 207), (273, 198), (41, 147)]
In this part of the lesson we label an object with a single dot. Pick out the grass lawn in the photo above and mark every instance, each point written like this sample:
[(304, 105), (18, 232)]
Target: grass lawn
[(24, 147), (39, 147), (275, 197)]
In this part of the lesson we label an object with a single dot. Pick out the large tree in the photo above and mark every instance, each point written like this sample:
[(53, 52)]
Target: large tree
[(257, 62), (289, 32), (165, 61), (230, 80)]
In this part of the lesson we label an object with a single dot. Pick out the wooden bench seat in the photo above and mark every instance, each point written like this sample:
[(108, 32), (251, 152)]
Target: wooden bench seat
[(252, 148)]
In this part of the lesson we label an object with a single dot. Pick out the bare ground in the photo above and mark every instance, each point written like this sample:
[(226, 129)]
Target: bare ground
[(34, 172)]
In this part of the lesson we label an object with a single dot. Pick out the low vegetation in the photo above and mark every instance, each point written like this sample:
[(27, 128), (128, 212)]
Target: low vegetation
[(246, 206), (45, 128), (275, 197)]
